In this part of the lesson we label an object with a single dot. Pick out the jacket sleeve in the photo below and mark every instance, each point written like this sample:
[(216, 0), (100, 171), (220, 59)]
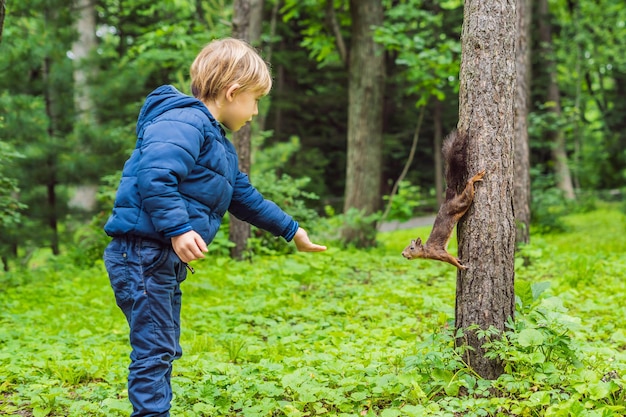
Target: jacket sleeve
[(169, 151), (249, 205)]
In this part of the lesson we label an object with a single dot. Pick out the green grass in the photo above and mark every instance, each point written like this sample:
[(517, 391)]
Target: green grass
[(341, 333)]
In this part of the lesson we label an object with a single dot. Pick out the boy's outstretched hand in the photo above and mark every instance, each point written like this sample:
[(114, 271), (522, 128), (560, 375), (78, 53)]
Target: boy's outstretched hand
[(304, 244)]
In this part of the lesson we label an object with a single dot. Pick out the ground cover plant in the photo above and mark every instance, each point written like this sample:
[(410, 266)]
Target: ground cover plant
[(343, 333)]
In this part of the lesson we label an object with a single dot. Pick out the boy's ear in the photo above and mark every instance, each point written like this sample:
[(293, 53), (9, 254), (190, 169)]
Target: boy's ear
[(232, 91)]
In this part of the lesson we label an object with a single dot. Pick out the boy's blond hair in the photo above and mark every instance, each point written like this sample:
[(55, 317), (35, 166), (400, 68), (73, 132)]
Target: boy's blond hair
[(225, 62)]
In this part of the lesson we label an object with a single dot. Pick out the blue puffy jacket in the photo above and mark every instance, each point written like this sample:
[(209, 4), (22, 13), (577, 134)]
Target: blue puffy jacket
[(183, 175)]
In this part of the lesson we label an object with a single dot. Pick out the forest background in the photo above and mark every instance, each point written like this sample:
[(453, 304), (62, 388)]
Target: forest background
[(337, 158), (75, 75)]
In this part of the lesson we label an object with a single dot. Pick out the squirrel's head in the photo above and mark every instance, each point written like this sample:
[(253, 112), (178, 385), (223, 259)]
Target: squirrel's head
[(414, 250)]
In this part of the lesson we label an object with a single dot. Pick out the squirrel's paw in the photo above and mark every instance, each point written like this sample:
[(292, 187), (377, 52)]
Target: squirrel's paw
[(479, 176), (461, 266)]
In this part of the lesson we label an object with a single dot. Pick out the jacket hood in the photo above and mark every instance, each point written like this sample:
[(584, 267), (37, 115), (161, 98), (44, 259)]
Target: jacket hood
[(166, 98)]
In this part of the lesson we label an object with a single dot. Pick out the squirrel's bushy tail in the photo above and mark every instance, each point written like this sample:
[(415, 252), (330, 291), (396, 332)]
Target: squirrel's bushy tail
[(454, 151)]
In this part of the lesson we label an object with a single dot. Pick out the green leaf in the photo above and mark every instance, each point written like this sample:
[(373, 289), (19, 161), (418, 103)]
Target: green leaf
[(539, 288), (530, 337), (599, 390), (390, 413), (41, 412)]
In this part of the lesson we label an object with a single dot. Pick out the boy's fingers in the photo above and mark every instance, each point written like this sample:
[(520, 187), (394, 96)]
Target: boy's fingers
[(309, 246), (189, 246), (201, 245)]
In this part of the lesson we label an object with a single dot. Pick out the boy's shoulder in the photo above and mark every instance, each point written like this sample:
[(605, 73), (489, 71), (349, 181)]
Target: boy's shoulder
[(190, 115), (166, 103)]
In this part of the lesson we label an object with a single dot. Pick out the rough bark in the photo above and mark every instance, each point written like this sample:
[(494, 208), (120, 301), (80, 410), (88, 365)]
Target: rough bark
[(557, 137), (521, 190), (365, 111), (244, 27), (485, 294)]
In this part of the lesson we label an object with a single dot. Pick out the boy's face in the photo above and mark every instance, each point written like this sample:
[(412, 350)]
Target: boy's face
[(239, 108)]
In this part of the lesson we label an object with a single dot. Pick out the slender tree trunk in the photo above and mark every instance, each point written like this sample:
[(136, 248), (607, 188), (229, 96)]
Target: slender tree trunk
[(279, 91), (255, 20), (2, 14), (267, 50), (438, 142), (485, 295), (84, 45), (521, 189), (246, 11), (52, 109), (336, 30), (437, 153), (365, 115), (83, 97), (52, 215), (559, 153)]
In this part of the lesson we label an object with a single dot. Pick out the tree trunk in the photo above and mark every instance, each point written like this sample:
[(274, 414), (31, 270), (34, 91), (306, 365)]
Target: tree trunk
[(52, 112), (485, 294), (52, 214), (2, 14), (439, 189), (86, 42), (83, 97), (559, 153), (521, 190), (267, 52), (365, 114), (243, 26)]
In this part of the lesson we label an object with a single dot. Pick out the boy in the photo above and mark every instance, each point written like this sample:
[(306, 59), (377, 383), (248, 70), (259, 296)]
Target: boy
[(176, 186)]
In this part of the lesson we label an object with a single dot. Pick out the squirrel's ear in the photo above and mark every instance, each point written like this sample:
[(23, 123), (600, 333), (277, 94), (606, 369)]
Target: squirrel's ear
[(418, 241)]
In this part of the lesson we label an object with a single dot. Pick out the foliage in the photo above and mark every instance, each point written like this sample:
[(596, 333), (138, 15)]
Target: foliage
[(36, 97), (318, 36), (89, 240), (415, 33), (10, 206), (142, 44), (289, 193), (548, 204), (406, 202), (341, 333), (590, 77)]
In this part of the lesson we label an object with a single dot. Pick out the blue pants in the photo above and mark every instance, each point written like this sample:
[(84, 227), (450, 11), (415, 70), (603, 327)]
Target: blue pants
[(146, 276)]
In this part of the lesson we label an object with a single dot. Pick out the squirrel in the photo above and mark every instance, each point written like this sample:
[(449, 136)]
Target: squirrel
[(455, 205)]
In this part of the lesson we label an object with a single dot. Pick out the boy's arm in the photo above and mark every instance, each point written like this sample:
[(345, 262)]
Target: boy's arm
[(249, 205)]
